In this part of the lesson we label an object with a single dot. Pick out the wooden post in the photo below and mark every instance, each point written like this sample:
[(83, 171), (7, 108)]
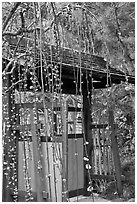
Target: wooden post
[(64, 153), (88, 135), (115, 151), (10, 149), (6, 197)]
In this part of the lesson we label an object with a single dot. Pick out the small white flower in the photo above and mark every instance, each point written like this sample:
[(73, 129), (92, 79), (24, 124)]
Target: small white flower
[(90, 188), (85, 159), (88, 166), (86, 143), (107, 128)]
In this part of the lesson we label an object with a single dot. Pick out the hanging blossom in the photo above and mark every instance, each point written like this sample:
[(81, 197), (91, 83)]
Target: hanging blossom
[(88, 166), (90, 189), (86, 159)]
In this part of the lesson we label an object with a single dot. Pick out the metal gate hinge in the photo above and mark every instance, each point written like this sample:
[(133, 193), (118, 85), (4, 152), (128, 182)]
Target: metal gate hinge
[(45, 194)]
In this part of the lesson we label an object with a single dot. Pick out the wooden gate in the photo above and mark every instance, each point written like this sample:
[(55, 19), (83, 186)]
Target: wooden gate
[(39, 167), (34, 174), (40, 160), (105, 155), (102, 161), (102, 148)]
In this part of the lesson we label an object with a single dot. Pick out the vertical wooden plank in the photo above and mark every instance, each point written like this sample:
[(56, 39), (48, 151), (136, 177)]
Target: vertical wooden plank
[(99, 143), (57, 169), (104, 153), (109, 159), (55, 122), (64, 152), (95, 152), (30, 168), (99, 153), (115, 151), (72, 168), (58, 173), (87, 123), (38, 175), (88, 135), (107, 144)]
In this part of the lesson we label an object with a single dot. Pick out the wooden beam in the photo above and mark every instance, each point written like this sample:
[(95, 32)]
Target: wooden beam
[(105, 177), (25, 127), (48, 103), (57, 138), (98, 126), (115, 151), (74, 109), (38, 105), (73, 136)]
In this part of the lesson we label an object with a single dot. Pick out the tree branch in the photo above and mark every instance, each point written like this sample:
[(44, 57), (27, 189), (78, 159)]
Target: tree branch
[(17, 45), (14, 61), (19, 32), (16, 5), (120, 39), (90, 40), (24, 30), (21, 80), (56, 23), (8, 65), (22, 20)]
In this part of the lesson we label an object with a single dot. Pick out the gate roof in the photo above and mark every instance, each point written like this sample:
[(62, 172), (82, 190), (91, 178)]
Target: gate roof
[(74, 62)]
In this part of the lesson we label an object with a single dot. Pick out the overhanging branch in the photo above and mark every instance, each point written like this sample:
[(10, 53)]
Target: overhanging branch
[(16, 5), (19, 32)]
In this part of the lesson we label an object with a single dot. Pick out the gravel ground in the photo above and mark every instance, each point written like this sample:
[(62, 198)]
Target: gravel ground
[(89, 199)]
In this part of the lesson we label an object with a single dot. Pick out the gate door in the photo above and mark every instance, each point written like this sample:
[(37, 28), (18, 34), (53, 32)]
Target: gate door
[(38, 180), (102, 158), (33, 180), (75, 152)]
